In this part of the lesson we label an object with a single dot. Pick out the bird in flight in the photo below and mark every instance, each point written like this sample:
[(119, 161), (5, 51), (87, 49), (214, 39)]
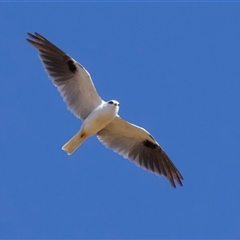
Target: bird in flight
[(99, 117)]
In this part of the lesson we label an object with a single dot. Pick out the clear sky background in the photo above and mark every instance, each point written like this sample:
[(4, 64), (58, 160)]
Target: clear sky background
[(175, 69)]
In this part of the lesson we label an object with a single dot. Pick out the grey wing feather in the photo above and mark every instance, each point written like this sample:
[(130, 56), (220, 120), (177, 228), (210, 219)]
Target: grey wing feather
[(136, 144), (71, 79)]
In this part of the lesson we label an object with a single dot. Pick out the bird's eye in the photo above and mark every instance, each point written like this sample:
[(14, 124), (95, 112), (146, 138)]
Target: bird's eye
[(118, 104), (110, 102)]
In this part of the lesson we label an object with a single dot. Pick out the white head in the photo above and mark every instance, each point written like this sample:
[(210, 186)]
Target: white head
[(114, 105)]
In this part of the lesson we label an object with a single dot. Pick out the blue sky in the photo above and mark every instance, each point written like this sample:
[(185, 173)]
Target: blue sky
[(174, 67)]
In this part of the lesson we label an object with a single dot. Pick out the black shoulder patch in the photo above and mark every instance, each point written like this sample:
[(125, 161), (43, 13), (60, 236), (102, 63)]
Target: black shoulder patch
[(71, 66), (149, 144)]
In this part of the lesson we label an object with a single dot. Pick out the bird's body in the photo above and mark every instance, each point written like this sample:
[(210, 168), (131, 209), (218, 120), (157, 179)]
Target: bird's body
[(99, 117)]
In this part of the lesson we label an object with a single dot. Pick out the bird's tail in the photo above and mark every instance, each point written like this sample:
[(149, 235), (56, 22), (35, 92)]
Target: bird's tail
[(74, 142)]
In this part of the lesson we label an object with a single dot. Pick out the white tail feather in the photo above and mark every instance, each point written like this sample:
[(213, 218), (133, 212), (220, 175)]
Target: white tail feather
[(74, 142)]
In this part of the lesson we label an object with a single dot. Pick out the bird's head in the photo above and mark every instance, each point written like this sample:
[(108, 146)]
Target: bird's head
[(113, 103)]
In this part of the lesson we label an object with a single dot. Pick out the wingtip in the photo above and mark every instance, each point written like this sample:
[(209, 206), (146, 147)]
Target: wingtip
[(30, 36), (172, 183), (175, 179), (35, 35)]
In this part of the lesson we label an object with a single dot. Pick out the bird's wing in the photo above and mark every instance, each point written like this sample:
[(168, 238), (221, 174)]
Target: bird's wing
[(136, 144), (71, 79)]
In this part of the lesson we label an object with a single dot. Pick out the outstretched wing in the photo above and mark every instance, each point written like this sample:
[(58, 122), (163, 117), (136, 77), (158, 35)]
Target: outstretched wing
[(136, 144), (71, 79)]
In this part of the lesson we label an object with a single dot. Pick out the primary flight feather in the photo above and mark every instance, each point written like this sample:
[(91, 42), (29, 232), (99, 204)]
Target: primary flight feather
[(99, 117)]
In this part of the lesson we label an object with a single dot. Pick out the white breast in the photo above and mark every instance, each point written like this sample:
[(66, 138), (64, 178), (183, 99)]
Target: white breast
[(99, 118)]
